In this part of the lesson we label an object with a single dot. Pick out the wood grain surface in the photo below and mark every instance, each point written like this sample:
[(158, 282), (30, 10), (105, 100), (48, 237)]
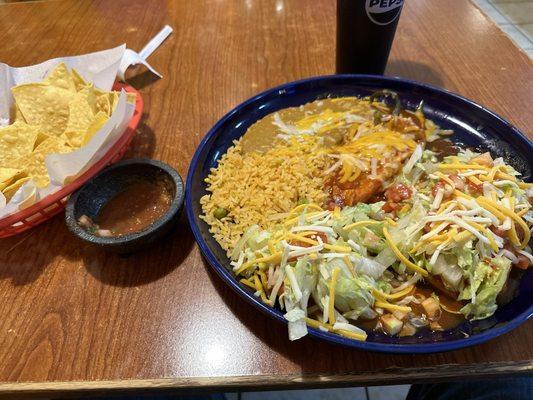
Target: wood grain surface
[(69, 313)]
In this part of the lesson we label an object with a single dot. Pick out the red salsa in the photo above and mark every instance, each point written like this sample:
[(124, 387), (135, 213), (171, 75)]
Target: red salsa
[(135, 208)]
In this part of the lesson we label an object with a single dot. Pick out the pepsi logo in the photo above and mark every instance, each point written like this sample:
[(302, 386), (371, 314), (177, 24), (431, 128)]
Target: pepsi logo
[(383, 12)]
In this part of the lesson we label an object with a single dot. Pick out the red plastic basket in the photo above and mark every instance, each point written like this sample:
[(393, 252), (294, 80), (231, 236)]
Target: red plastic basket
[(55, 203)]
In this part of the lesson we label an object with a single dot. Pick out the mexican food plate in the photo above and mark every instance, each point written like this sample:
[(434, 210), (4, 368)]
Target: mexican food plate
[(373, 212)]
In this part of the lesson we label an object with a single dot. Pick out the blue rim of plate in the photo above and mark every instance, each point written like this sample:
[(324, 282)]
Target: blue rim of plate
[(229, 278)]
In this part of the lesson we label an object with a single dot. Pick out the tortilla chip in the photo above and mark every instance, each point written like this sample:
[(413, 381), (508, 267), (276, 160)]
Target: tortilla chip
[(99, 121), (113, 100), (41, 137), (6, 174), (80, 118), (75, 138), (15, 114), (98, 92), (44, 105), (79, 82), (35, 165), (61, 78), (80, 114), (90, 96), (9, 175), (52, 145), (10, 191), (16, 140), (102, 103)]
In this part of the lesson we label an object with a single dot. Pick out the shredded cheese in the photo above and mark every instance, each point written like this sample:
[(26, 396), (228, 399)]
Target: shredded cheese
[(361, 223), (391, 307), (313, 323), (474, 180), (247, 283), (462, 236), (438, 199), (351, 335), (507, 212), (391, 222), (462, 166), (301, 207), (316, 228), (274, 258), (264, 279), (349, 264), (412, 266), (294, 283), (393, 296), (445, 178), (335, 247)]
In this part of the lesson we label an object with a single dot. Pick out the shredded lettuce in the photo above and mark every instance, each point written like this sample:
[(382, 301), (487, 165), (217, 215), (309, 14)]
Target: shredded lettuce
[(369, 267), (353, 294), (254, 229), (488, 281), (386, 257), (446, 266), (258, 240), (296, 318)]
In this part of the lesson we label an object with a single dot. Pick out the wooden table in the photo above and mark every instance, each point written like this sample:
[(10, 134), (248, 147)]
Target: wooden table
[(74, 320)]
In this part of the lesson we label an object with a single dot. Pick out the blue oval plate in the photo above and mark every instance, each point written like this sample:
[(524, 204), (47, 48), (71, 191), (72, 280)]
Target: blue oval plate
[(473, 124)]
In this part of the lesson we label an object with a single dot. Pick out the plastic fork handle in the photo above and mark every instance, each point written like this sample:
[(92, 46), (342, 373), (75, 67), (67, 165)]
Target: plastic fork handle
[(155, 42)]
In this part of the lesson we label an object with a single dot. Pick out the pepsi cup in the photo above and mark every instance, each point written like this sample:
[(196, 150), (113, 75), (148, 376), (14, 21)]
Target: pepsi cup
[(365, 31)]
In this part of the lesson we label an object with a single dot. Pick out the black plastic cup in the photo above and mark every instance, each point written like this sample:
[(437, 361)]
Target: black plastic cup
[(365, 31)]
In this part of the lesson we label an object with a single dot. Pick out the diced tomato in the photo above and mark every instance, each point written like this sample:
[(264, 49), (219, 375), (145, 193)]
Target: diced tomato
[(498, 231), (398, 192), (458, 182), (322, 235), (298, 243), (473, 188), (330, 205), (438, 185), (448, 190), (389, 207), (523, 261), (334, 202)]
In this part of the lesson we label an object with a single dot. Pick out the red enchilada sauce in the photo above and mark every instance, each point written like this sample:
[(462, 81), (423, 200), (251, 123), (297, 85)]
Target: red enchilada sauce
[(135, 208)]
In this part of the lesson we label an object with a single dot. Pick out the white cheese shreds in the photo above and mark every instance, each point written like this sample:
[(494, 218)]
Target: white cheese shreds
[(288, 129), (472, 172), (509, 255), (527, 255), (415, 157), (374, 167), (294, 283), (354, 245), (316, 228), (435, 231), (236, 265), (348, 327), (438, 199), (306, 250), (461, 223)]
